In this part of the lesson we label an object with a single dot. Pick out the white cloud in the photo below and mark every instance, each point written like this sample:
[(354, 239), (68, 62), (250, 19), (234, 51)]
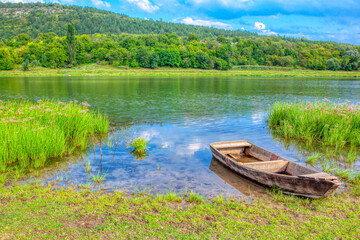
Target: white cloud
[(144, 5), (100, 3), (21, 1), (259, 26), (199, 22)]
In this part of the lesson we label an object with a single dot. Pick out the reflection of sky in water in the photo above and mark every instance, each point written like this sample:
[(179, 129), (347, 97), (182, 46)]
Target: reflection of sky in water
[(180, 117)]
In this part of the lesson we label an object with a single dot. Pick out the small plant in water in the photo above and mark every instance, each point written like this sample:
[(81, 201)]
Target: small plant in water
[(88, 166), (312, 159), (99, 178), (140, 146)]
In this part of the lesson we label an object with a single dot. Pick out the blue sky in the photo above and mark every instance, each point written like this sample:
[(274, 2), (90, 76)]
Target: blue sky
[(334, 20)]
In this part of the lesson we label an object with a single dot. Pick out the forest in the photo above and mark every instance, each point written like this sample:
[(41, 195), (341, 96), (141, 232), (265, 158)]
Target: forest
[(47, 39)]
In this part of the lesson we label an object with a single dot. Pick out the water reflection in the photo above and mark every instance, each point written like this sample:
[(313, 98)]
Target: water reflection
[(243, 185)]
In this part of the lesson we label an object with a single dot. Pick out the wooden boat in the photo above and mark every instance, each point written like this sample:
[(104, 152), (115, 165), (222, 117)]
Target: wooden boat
[(269, 169)]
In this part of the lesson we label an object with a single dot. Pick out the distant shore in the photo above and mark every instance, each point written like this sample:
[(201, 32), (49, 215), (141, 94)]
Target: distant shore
[(108, 70)]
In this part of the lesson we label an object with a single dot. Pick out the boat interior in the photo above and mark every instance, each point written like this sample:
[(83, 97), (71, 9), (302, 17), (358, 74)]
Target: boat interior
[(258, 158)]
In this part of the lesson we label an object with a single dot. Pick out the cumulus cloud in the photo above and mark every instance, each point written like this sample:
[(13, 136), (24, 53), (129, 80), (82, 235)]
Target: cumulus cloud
[(144, 5), (100, 3), (199, 22), (259, 26)]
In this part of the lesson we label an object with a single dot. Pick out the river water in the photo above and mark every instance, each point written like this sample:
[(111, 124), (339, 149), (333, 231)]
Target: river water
[(180, 116)]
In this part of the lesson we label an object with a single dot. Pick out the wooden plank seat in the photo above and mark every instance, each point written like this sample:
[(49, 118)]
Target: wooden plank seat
[(276, 166)]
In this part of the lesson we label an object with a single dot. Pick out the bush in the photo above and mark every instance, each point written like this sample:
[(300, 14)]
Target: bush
[(333, 64), (7, 62)]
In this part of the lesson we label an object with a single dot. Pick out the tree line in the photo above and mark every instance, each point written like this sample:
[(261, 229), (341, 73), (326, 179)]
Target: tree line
[(171, 50), (36, 18)]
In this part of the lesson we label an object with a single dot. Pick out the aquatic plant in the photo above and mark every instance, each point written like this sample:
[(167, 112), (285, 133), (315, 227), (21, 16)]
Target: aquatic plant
[(330, 124), (98, 178), (312, 159), (31, 133), (140, 146)]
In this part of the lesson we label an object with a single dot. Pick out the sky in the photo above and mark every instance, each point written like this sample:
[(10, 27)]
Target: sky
[(333, 20)]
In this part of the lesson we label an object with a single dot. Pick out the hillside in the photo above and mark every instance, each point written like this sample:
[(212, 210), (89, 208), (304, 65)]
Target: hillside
[(35, 35), (36, 18)]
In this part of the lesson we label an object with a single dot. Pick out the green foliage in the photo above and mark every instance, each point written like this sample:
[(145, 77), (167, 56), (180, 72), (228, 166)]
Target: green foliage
[(32, 133), (173, 45), (327, 123), (25, 64), (203, 60), (140, 145), (333, 64), (37, 19), (7, 61), (70, 37)]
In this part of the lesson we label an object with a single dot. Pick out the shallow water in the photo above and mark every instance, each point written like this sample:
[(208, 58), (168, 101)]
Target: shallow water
[(180, 116)]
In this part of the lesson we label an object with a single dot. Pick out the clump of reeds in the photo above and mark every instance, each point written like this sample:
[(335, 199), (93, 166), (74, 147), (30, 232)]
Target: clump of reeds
[(30, 133), (140, 146), (330, 124)]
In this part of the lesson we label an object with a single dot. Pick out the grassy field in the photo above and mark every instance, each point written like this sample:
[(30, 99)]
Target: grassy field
[(36, 212), (107, 70), (31, 133)]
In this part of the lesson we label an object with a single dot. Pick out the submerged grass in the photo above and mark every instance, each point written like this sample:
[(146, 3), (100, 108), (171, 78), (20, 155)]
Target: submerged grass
[(31, 133), (330, 124), (33, 211)]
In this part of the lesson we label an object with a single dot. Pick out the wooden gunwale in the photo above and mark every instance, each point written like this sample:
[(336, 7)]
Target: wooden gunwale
[(306, 185)]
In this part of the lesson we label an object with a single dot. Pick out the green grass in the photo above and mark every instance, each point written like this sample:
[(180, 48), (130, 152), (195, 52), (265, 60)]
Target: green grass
[(329, 124), (332, 128), (108, 70), (140, 146), (31, 133), (36, 212)]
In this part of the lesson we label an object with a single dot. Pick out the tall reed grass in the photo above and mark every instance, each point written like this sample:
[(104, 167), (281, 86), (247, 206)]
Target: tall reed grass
[(330, 124), (30, 133)]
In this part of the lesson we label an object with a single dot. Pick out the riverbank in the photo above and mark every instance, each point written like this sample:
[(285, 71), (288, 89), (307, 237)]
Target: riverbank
[(40, 212), (32, 133), (108, 70)]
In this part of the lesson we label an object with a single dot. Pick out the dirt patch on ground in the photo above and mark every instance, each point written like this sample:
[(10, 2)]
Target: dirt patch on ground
[(4, 200), (87, 222)]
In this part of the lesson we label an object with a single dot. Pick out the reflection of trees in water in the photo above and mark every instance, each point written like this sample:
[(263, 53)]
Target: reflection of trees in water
[(163, 99)]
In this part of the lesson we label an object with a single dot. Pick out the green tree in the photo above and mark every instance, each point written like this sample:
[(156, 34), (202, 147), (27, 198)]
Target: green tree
[(71, 43), (7, 61), (203, 60), (154, 60), (25, 64), (333, 64)]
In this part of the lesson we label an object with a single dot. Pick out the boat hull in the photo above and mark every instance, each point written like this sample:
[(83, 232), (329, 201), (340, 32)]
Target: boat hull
[(295, 185)]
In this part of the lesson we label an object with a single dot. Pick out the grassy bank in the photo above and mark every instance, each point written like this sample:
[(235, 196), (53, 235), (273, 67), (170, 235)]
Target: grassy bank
[(31, 133), (108, 70), (331, 124), (333, 127), (45, 212)]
